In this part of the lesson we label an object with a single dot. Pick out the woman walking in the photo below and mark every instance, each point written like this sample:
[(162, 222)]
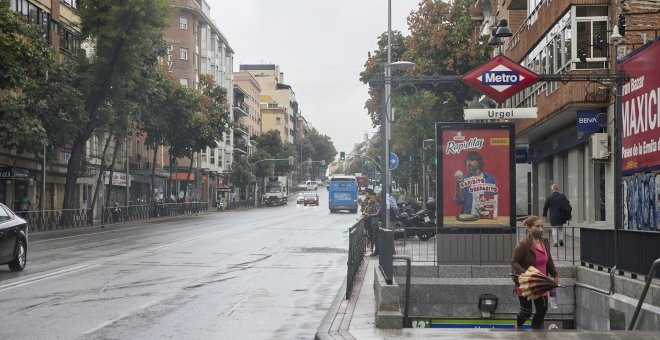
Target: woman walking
[(533, 250)]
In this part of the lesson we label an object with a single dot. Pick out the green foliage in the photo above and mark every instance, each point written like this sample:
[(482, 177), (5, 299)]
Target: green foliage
[(128, 38), (24, 52), (241, 172), (441, 42), (40, 105), (270, 146)]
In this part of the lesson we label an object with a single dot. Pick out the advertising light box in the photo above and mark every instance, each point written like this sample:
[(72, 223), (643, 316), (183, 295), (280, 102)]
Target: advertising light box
[(476, 175)]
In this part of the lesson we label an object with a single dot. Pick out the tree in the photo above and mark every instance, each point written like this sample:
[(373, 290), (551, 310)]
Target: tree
[(442, 41), (241, 173), (128, 38), (38, 104), (25, 53)]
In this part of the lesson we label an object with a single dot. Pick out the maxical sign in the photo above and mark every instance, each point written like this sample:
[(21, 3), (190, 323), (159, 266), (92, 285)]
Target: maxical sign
[(500, 78)]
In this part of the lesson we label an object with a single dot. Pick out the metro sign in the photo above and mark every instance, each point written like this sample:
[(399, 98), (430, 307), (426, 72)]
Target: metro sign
[(500, 78)]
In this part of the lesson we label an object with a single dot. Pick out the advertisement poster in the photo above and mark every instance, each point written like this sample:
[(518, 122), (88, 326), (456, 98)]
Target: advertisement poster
[(641, 111), (640, 152), (476, 163)]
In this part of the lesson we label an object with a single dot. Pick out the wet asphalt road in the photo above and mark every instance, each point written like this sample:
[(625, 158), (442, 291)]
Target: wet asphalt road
[(266, 273)]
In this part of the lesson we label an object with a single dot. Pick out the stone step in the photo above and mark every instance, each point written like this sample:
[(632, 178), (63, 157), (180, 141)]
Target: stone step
[(459, 297)]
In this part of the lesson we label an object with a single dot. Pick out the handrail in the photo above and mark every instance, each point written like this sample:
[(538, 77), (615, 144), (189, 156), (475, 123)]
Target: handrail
[(649, 278), (408, 266)]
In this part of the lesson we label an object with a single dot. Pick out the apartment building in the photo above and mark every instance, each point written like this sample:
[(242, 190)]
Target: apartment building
[(196, 46), (279, 107), (571, 37), (246, 113), (25, 174)]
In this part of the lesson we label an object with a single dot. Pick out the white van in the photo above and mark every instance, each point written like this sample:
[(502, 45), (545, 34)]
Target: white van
[(311, 185)]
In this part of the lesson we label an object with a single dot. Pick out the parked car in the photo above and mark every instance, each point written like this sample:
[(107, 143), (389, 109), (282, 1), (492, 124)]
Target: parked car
[(301, 198), (13, 239), (311, 198)]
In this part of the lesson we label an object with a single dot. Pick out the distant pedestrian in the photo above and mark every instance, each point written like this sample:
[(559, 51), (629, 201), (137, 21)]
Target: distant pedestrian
[(23, 205), (557, 203), (533, 250), (371, 215)]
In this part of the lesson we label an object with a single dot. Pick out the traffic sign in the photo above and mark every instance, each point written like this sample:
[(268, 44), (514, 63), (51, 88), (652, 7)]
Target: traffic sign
[(394, 161), (500, 78)]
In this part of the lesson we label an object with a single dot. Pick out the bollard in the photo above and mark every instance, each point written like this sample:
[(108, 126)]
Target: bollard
[(386, 252)]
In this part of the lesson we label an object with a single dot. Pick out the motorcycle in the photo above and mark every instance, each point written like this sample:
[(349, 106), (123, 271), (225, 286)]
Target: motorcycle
[(116, 211), (421, 223)]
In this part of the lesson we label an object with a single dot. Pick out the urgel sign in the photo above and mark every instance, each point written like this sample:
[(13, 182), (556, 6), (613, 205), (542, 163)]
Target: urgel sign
[(500, 78)]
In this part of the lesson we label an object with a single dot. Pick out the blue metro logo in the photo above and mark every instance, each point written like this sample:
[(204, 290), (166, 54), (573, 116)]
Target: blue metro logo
[(500, 78)]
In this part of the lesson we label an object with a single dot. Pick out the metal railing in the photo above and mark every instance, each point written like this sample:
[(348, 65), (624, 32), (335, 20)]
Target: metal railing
[(426, 252), (649, 278), (356, 248), (50, 220), (132, 213), (46, 220), (636, 250)]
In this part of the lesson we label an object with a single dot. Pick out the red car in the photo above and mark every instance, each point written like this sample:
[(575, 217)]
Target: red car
[(311, 198)]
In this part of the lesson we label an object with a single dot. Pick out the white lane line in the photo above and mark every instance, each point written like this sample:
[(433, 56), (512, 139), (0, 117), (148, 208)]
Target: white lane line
[(187, 240), (83, 235), (125, 315), (46, 276)]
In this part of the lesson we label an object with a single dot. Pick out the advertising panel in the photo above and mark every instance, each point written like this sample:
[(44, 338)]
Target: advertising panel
[(640, 157), (641, 110), (476, 165)]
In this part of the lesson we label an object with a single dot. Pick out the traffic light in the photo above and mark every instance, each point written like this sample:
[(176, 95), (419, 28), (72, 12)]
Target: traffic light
[(342, 156), (622, 24)]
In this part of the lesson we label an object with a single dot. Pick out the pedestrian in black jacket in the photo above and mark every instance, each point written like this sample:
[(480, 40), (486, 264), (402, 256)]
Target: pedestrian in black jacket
[(557, 220)]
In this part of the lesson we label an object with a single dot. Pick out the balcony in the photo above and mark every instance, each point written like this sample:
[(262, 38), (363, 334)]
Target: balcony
[(241, 129), (240, 108), (240, 146)]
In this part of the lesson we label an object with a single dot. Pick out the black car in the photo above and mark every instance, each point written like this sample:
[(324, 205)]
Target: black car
[(13, 239)]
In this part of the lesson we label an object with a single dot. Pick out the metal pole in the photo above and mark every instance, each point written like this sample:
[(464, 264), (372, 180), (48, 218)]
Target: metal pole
[(386, 122), (128, 182), (43, 183), (424, 194), (618, 204)]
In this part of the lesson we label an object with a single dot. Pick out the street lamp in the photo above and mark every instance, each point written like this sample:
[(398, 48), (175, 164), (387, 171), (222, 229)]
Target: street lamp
[(425, 192), (387, 117)]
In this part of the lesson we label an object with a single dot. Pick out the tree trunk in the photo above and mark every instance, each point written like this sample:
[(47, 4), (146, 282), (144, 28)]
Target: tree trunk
[(153, 175), (112, 171), (100, 178), (185, 192), (73, 169)]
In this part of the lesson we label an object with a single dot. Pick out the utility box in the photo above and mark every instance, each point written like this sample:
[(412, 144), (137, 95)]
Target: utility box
[(599, 146)]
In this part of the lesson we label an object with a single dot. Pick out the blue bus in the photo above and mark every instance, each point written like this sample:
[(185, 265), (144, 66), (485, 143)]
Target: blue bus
[(343, 193)]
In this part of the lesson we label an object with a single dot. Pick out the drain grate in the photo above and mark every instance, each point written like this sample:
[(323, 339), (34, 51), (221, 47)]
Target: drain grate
[(322, 250)]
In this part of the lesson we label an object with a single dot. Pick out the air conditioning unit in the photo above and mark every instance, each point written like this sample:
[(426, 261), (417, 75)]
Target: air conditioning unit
[(599, 146)]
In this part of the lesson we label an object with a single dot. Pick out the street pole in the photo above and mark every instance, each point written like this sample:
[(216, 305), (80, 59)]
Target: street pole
[(386, 120), (128, 182), (618, 172)]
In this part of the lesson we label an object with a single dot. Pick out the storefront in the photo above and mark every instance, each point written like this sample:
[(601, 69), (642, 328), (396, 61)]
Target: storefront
[(14, 182)]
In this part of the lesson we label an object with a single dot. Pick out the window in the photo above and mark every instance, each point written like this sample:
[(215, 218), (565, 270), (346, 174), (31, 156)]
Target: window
[(278, 120), (70, 3), (183, 23), (183, 54), (183, 82), (591, 36)]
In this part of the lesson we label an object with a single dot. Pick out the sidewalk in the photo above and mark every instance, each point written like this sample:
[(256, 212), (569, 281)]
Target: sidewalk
[(355, 319)]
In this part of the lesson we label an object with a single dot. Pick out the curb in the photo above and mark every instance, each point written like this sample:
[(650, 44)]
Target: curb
[(335, 325)]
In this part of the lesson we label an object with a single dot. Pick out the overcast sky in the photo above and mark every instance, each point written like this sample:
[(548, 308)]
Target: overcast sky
[(321, 46)]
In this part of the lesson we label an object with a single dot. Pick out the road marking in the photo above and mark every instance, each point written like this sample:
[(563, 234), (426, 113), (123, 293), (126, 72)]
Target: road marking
[(83, 235), (187, 240), (45, 277)]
